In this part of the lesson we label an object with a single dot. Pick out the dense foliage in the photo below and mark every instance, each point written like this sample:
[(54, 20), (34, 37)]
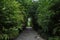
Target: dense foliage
[(44, 14), (12, 15), (48, 17)]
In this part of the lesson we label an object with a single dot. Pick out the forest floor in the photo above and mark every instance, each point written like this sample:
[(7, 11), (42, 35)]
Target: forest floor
[(29, 34)]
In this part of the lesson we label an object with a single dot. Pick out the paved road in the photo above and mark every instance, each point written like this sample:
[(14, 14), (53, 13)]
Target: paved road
[(29, 34)]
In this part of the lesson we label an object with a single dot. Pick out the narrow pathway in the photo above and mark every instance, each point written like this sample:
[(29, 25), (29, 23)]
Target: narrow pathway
[(29, 34)]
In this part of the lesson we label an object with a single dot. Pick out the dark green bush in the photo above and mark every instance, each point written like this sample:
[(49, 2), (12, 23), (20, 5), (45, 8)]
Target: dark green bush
[(47, 16), (53, 38), (12, 17), (44, 13)]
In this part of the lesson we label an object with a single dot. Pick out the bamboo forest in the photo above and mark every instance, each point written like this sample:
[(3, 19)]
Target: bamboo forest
[(29, 19)]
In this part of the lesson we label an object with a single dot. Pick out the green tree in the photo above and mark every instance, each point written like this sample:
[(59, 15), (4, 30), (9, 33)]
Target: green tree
[(48, 16), (12, 13), (12, 17), (44, 14)]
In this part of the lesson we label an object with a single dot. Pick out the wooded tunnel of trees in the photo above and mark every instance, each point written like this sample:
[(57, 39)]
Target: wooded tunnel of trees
[(44, 14)]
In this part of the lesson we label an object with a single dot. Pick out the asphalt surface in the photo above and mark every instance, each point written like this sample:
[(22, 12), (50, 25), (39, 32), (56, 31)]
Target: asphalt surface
[(29, 34)]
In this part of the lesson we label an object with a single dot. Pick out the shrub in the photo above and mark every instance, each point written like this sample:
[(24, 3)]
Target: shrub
[(12, 15)]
